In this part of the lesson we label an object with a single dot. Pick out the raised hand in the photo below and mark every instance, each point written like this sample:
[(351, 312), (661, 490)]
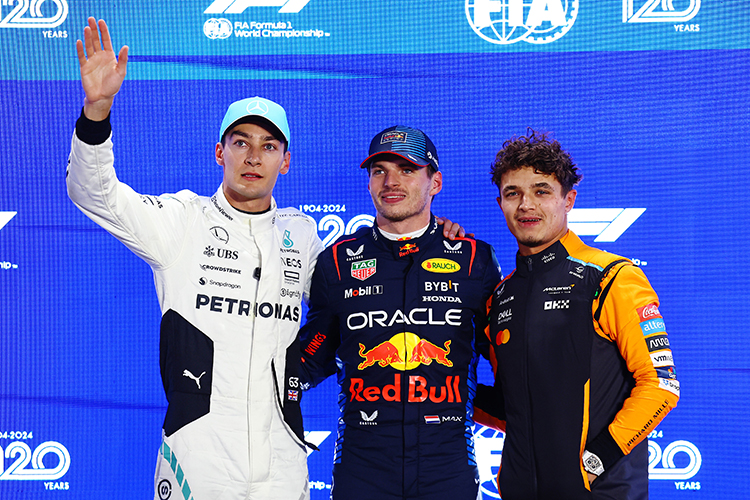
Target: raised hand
[(102, 73)]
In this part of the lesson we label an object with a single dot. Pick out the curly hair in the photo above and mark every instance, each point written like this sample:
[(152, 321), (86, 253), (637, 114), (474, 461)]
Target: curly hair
[(537, 151)]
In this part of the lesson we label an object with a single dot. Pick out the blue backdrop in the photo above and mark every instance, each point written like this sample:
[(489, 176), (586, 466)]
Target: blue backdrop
[(651, 99)]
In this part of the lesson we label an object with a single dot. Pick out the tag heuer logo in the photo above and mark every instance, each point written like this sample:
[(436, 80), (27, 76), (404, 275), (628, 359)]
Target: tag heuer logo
[(363, 269)]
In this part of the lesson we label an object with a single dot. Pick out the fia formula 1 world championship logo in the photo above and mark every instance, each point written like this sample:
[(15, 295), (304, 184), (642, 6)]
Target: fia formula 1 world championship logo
[(34, 13), (509, 21)]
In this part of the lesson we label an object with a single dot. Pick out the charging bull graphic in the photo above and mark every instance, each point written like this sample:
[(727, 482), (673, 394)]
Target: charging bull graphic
[(405, 351)]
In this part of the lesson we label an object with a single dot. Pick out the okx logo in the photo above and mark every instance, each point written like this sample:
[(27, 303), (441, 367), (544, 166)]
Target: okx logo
[(510, 21), (657, 11), (33, 13), (239, 6)]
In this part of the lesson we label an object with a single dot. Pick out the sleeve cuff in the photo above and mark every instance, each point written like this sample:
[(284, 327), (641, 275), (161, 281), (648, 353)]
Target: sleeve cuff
[(605, 447), (91, 132)]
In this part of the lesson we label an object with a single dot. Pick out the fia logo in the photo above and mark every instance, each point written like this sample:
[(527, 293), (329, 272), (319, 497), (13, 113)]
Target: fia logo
[(658, 11), (510, 21), (29, 14), (239, 6), (217, 29)]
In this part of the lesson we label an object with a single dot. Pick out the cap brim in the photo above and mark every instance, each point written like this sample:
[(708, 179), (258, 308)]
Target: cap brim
[(258, 120), (417, 162)]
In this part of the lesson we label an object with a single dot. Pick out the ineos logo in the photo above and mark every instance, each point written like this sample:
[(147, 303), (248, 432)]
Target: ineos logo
[(164, 489)]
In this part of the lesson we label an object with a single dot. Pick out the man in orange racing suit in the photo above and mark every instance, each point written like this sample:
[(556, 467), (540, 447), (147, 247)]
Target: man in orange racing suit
[(396, 311), (583, 367)]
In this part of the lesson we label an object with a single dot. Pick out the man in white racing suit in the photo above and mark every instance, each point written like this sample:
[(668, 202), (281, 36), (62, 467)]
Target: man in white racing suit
[(230, 272)]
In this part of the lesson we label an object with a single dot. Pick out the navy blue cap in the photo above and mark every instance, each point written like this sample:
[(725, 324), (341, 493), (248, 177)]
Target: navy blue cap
[(411, 144)]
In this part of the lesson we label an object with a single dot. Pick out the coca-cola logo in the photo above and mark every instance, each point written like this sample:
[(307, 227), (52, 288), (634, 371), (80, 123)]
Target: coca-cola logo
[(648, 312)]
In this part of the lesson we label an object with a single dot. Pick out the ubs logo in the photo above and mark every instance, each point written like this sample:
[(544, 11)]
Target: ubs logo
[(511, 21)]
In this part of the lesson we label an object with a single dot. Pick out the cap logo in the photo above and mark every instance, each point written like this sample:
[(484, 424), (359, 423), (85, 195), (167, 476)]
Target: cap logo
[(256, 107), (393, 136)]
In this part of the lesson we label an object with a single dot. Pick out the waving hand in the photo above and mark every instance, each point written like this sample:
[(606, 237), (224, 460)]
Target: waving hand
[(102, 73)]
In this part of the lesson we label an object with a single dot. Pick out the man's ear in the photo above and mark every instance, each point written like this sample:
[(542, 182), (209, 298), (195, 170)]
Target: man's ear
[(219, 154)]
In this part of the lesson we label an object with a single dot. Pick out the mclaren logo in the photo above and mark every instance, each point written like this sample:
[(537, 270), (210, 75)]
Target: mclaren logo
[(239, 6)]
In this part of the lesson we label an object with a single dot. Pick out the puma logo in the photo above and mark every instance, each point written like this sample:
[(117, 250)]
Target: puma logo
[(197, 379)]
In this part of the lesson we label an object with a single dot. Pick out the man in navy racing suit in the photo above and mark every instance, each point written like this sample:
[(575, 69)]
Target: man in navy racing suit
[(396, 311)]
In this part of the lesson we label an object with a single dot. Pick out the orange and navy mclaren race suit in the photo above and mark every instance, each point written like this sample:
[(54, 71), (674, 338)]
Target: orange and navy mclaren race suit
[(396, 321), (582, 362)]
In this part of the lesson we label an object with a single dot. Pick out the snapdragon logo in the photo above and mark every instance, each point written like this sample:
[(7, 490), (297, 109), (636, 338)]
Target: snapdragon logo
[(239, 6), (658, 11), (607, 224), (509, 21), (31, 14)]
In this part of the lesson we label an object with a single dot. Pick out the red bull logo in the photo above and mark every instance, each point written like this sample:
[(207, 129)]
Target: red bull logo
[(408, 249), (419, 390), (405, 351)]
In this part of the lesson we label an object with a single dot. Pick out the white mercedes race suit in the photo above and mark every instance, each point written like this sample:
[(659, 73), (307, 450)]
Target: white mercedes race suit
[(230, 286)]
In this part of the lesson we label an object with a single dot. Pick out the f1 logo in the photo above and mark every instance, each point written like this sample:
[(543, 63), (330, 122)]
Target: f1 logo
[(607, 224), (239, 6), (648, 12), (5, 217)]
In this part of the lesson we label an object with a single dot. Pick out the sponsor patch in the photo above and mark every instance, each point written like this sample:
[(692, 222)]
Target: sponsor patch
[(441, 266), (672, 386), (657, 343), (355, 253), (504, 316), (653, 326), (662, 358), (393, 136), (363, 291), (556, 304), (452, 248), (364, 269), (648, 312), (407, 249), (666, 372)]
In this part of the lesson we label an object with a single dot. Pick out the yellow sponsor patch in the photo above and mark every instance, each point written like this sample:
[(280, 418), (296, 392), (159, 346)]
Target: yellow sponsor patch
[(440, 266)]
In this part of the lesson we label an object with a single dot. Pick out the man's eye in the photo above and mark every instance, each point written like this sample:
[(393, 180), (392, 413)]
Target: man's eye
[(270, 147)]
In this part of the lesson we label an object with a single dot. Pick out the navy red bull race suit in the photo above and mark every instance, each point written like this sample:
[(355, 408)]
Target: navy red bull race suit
[(399, 321)]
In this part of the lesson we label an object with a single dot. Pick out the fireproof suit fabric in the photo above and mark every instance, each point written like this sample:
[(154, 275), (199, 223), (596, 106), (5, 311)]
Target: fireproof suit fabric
[(582, 361), (396, 320), (229, 285)]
